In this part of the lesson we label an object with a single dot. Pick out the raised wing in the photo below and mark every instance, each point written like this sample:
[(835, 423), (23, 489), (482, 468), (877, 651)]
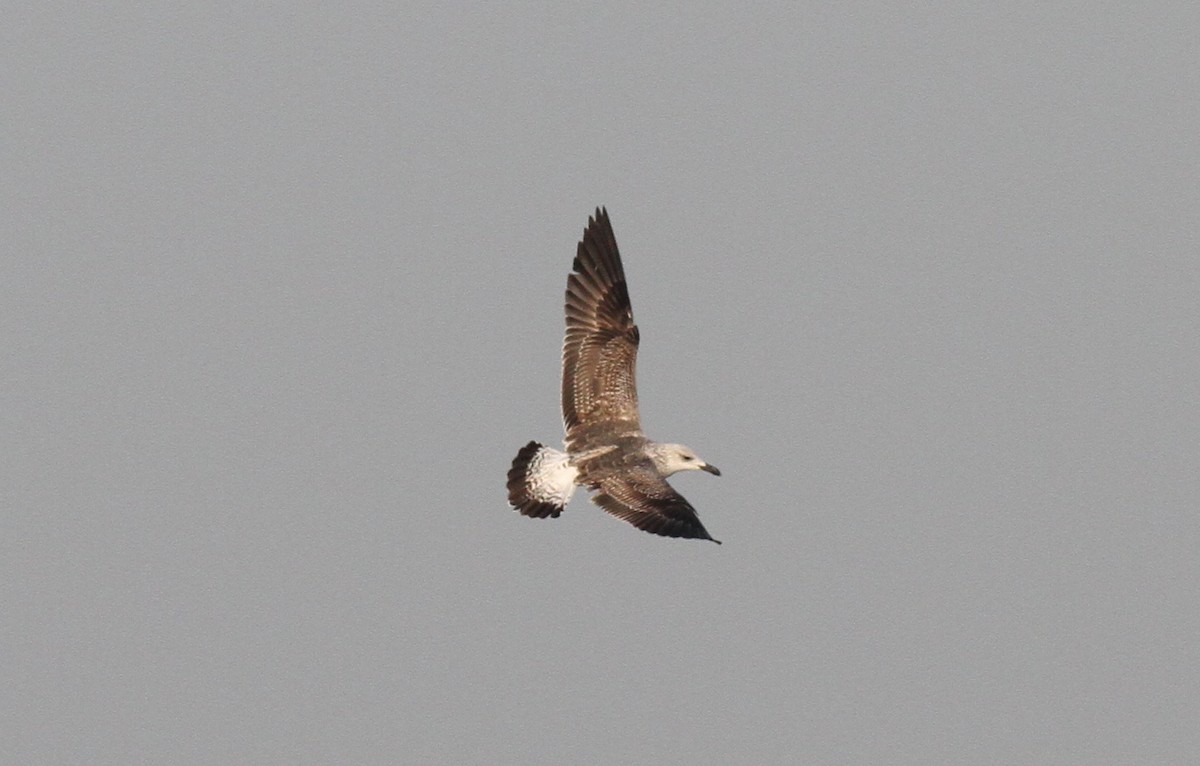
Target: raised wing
[(645, 499), (599, 396)]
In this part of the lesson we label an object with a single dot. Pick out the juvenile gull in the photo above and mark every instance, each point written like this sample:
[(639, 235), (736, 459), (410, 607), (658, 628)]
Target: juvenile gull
[(605, 448)]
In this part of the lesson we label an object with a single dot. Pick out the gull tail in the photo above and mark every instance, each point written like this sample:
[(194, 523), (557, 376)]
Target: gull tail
[(541, 481)]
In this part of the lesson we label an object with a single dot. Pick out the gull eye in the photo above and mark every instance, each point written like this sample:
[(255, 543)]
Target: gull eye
[(688, 457)]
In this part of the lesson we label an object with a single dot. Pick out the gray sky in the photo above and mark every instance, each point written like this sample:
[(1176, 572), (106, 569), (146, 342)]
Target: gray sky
[(283, 296)]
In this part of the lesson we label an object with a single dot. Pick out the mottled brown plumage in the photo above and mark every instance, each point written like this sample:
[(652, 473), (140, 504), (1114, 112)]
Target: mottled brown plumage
[(606, 449), (599, 395)]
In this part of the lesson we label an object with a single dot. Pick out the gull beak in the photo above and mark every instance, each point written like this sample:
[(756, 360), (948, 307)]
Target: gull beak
[(711, 469)]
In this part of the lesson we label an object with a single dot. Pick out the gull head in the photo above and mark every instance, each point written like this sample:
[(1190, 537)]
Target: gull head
[(672, 458)]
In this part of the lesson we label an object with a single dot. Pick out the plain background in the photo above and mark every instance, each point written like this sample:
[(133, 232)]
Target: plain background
[(282, 296)]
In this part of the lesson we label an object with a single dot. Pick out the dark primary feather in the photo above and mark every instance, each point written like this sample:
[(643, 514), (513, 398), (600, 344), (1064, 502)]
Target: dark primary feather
[(645, 499), (599, 394)]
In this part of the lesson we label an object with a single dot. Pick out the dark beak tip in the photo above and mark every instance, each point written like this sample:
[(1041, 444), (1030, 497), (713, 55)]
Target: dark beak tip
[(712, 469)]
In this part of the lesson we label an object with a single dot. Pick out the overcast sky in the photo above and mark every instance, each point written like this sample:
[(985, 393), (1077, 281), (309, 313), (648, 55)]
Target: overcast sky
[(282, 296)]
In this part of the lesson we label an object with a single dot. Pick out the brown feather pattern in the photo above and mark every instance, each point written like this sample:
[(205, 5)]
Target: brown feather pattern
[(645, 499), (599, 392)]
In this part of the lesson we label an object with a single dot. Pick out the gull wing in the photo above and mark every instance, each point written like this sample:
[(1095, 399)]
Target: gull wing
[(599, 395), (645, 499)]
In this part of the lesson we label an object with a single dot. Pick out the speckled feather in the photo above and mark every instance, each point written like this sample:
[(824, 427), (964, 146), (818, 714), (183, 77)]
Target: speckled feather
[(606, 449), (599, 391)]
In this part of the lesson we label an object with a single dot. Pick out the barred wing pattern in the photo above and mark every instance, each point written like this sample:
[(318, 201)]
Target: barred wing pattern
[(599, 395), (645, 499)]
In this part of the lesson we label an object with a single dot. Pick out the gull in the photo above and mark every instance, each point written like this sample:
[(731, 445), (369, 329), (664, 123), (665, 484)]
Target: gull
[(605, 449)]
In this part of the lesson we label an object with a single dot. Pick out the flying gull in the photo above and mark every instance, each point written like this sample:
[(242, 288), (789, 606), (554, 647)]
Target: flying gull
[(606, 450)]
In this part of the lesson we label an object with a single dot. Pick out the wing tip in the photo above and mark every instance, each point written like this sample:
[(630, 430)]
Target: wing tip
[(597, 234), (655, 523)]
